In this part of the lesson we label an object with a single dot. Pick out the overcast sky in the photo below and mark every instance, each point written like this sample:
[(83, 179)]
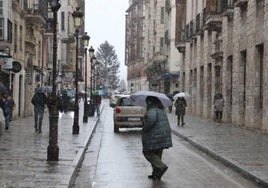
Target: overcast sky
[(105, 21)]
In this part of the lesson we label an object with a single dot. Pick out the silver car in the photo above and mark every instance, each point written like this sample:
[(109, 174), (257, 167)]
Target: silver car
[(126, 115)]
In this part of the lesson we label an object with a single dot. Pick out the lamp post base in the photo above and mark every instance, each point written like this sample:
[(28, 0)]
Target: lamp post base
[(75, 129), (85, 117), (53, 153)]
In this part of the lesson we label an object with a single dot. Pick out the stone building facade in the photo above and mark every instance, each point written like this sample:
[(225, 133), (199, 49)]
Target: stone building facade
[(224, 45), (26, 31), (151, 56)]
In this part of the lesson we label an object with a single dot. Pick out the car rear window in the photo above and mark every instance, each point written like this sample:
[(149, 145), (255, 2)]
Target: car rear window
[(124, 102)]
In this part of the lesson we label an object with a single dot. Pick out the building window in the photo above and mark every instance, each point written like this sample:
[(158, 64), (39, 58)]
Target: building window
[(15, 37), (20, 38), (62, 21), (162, 15), (1, 28), (25, 4), (260, 11), (39, 53), (161, 44), (1, 7), (9, 31)]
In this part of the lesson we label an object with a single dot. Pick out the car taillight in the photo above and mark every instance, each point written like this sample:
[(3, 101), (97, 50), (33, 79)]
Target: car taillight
[(117, 110)]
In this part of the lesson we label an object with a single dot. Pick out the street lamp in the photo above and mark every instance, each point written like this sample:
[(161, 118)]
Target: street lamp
[(85, 39), (53, 148), (92, 59), (77, 15)]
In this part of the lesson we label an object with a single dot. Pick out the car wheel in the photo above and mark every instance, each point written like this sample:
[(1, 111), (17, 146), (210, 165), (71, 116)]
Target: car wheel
[(116, 129)]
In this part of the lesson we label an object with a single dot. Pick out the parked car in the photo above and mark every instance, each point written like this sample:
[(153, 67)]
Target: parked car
[(126, 115)]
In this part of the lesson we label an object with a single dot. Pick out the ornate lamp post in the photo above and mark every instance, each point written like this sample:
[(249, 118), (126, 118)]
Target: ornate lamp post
[(85, 39), (92, 59), (53, 148), (77, 15)]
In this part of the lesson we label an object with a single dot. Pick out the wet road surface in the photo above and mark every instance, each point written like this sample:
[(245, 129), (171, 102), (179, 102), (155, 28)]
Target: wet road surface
[(116, 161)]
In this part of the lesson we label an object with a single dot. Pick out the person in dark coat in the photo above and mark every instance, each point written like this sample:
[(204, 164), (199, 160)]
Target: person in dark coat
[(180, 105), (8, 108), (218, 106), (65, 101), (97, 103), (156, 136), (39, 100)]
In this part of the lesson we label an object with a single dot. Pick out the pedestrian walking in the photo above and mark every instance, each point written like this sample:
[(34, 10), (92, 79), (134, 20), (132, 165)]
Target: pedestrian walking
[(8, 104), (11, 115), (218, 107), (97, 103), (180, 105), (65, 101), (39, 100), (156, 136), (170, 96)]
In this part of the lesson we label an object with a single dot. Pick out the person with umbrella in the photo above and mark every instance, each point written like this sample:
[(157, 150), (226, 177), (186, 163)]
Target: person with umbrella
[(180, 105), (156, 136)]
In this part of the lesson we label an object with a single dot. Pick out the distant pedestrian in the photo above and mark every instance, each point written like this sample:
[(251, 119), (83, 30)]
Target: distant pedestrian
[(11, 115), (180, 105), (8, 104), (156, 136), (97, 103), (39, 100), (218, 106), (65, 101), (170, 96)]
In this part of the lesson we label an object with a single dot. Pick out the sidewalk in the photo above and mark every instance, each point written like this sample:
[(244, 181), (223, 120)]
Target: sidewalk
[(23, 152), (246, 151)]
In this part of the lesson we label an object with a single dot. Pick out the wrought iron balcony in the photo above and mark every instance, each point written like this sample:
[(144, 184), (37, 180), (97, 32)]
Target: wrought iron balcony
[(212, 15), (37, 13), (218, 53), (180, 46), (228, 8), (239, 3)]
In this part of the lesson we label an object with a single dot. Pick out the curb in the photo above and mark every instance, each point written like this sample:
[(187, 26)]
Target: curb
[(227, 162), (78, 160)]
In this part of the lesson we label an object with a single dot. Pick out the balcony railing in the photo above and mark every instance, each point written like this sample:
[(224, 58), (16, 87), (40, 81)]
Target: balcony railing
[(212, 14), (228, 8), (37, 12), (239, 3)]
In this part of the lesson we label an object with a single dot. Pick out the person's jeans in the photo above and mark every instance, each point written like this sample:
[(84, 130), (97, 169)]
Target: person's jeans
[(7, 120), (38, 117), (98, 109)]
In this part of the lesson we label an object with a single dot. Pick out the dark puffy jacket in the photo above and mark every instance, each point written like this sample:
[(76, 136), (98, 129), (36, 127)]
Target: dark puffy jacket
[(156, 133), (39, 99), (180, 105)]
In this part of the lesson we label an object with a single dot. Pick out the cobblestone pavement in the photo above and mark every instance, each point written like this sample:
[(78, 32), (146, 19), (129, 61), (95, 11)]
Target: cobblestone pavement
[(246, 151), (23, 152)]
